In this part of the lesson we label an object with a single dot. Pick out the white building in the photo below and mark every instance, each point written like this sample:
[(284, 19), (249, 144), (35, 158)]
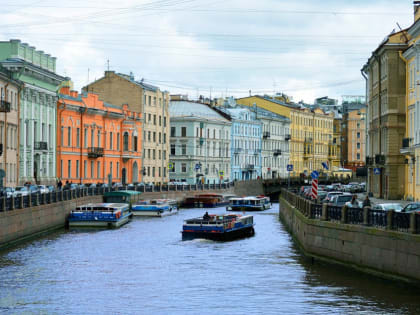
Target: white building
[(200, 143)]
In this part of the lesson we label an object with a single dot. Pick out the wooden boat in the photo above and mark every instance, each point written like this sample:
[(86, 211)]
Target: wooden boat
[(219, 227)]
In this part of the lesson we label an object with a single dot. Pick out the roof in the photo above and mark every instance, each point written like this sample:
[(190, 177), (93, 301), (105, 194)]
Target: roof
[(140, 83), (270, 99), (187, 109)]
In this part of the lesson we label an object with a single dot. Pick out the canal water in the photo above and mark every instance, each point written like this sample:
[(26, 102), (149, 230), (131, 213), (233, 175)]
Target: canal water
[(145, 268)]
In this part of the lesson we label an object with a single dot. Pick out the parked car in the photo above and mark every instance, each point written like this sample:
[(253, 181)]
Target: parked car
[(116, 185), (131, 187), (93, 185), (8, 192), (340, 200), (329, 188), (388, 206), (322, 195), (33, 189), (51, 188), (329, 196), (21, 191), (411, 207), (43, 189)]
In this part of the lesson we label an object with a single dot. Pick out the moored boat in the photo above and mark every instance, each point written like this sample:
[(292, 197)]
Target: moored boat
[(258, 203), (209, 200), (155, 208), (219, 227), (109, 215)]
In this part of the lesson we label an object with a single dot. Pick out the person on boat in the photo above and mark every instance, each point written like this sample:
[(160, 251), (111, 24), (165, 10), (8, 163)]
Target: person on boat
[(206, 216)]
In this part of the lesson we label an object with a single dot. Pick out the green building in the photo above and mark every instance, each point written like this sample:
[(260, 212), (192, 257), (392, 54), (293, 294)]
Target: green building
[(37, 110)]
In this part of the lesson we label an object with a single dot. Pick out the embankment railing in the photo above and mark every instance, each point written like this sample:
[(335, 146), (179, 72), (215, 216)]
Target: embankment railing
[(35, 199), (389, 220)]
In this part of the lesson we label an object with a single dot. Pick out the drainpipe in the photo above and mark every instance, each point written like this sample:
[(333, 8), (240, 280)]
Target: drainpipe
[(18, 136), (5, 131), (366, 125)]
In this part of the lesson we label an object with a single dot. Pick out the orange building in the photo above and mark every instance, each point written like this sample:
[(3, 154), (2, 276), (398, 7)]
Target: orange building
[(96, 140)]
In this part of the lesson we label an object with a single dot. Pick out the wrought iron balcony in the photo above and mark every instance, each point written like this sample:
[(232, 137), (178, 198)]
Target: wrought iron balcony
[(406, 142), (237, 150), (266, 134), (95, 152), (288, 137), (249, 167), (407, 147), (4, 106), (308, 140), (277, 152), (40, 146)]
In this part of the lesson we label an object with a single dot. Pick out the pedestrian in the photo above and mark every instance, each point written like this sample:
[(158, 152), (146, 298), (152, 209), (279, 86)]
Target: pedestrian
[(366, 202), (59, 184)]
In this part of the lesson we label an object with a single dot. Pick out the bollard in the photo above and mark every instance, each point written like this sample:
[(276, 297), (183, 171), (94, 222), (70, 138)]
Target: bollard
[(20, 202), (29, 200), (344, 210), (3, 201), (413, 227), (50, 193), (324, 216), (389, 219), (366, 215), (43, 199), (61, 193), (12, 199)]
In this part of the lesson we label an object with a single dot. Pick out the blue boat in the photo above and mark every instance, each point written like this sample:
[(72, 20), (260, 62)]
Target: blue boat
[(110, 215), (155, 208), (225, 227), (258, 203)]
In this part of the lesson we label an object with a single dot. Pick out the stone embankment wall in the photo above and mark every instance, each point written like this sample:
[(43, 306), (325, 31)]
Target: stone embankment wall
[(388, 254), (249, 188), (21, 224)]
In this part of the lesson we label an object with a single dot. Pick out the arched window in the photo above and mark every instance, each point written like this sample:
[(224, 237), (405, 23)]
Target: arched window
[(125, 141)]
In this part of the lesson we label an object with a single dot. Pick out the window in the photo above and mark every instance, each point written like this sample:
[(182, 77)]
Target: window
[(160, 172), (92, 139), (98, 170), (160, 137), (154, 118), (149, 136), (358, 156), (173, 131), (118, 169), (77, 169), (61, 136), (69, 169), (154, 136), (92, 168), (164, 172), (125, 141), (154, 154), (110, 169), (148, 171), (150, 118), (35, 131), (183, 131), (358, 145), (184, 149), (164, 156), (164, 138), (69, 136), (358, 135), (160, 120), (85, 169), (85, 138), (118, 141), (99, 138), (184, 167), (61, 169), (135, 143), (153, 171), (173, 149), (78, 138), (111, 144), (164, 125)]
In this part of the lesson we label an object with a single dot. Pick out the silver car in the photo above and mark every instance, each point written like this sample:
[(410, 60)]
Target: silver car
[(388, 206)]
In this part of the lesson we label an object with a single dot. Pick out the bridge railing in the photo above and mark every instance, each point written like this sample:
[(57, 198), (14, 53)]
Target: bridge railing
[(35, 199), (387, 220)]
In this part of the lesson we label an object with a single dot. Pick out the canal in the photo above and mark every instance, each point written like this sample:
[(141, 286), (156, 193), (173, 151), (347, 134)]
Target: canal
[(145, 268)]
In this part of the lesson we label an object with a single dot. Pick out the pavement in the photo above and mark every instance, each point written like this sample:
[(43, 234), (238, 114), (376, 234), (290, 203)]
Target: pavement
[(362, 196)]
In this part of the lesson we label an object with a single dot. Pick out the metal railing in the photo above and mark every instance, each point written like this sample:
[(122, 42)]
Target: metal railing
[(386, 220), (37, 199)]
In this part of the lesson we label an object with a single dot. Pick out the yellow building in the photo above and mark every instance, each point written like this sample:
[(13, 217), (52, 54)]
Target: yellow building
[(410, 144), (311, 134)]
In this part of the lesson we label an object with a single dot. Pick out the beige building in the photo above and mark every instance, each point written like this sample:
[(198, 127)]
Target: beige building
[(385, 72), (153, 104), (9, 128), (354, 139)]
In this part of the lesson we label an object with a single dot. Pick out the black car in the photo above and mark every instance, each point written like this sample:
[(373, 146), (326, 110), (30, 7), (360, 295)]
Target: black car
[(412, 207)]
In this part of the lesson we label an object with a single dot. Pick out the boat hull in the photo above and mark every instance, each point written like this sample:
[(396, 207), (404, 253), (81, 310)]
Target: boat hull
[(247, 208), (153, 213), (99, 224), (219, 236), (201, 204)]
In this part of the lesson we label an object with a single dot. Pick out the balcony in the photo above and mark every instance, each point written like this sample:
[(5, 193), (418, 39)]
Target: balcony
[(257, 151), (201, 141), (407, 148), (126, 155), (40, 146), (379, 159), (307, 154), (4, 106), (249, 167), (266, 134), (308, 140), (277, 152), (237, 150), (95, 152), (287, 137)]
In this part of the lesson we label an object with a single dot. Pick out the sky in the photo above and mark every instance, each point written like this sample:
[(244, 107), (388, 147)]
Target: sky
[(305, 49)]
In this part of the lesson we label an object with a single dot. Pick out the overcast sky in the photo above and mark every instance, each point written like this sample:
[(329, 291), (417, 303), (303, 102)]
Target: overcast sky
[(306, 49)]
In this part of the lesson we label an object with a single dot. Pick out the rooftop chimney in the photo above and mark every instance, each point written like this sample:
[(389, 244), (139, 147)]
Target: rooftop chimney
[(416, 10)]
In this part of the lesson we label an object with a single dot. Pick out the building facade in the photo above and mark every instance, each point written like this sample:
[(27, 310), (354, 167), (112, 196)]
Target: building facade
[(9, 128), (200, 143), (386, 118), (38, 109), (334, 150), (97, 142), (153, 104), (246, 138), (353, 139)]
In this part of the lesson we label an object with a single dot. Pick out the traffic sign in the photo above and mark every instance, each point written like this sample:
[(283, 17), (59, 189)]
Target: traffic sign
[(314, 189), (314, 174), (170, 165), (197, 166), (290, 167), (221, 173), (325, 165), (376, 171)]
